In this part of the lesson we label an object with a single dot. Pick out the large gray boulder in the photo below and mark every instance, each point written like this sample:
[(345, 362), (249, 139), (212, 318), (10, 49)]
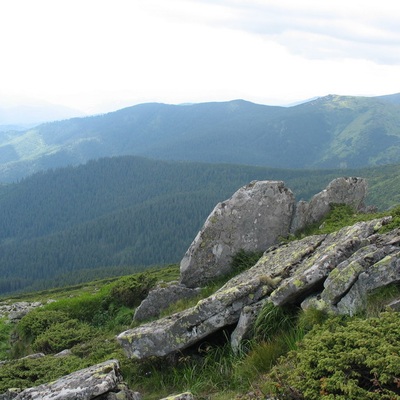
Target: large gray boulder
[(351, 191), (256, 217), (99, 381), (252, 219)]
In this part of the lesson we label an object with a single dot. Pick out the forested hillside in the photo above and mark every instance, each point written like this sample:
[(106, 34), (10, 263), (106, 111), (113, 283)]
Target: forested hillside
[(121, 214), (329, 132)]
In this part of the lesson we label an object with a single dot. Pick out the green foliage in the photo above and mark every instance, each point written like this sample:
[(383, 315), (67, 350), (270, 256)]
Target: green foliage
[(61, 336), (211, 371), (339, 216), (92, 308), (395, 222), (26, 373), (130, 291), (98, 348), (307, 319), (5, 331), (38, 321), (378, 299), (243, 260), (272, 320), (111, 218), (343, 359)]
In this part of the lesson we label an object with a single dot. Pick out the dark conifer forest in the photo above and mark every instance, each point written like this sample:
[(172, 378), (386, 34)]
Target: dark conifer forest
[(123, 214)]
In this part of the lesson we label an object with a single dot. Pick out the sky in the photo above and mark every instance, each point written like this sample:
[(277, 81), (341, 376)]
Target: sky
[(101, 55)]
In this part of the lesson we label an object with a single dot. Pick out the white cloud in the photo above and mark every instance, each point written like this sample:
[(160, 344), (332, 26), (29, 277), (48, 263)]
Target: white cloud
[(99, 55)]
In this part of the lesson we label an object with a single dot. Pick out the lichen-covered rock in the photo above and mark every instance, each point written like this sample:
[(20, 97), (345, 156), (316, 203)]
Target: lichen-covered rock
[(16, 311), (182, 396), (351, 191), (313, 270), (383, 273), (99, 381), (244, 327), (180, 330), (160, 298), (287, 273), (252, 219)]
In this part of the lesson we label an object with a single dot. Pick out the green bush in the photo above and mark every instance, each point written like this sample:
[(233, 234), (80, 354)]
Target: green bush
[(62, 335), (98, 348), (39, 320), (5, 331), (87, 307), (394, 223), (25, 373), (131, 290), (343, 359)]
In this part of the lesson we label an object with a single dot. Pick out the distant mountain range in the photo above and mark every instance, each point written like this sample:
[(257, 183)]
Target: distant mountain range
[(328, 132)]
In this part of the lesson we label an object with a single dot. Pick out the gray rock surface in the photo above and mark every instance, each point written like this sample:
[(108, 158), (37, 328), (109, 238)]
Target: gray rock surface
[(15, 311), (160, 298), (378, 275), (244, 327), (252, 219), (101, 381), (180, 330), (182, 396), (285, 274), (313, 270), (351, 191)]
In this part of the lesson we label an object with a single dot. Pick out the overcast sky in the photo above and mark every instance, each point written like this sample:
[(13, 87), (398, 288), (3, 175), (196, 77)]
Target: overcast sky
[(101, 55)]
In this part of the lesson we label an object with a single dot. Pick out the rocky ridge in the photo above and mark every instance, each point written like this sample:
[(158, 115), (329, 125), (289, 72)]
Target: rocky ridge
[(333, 272)]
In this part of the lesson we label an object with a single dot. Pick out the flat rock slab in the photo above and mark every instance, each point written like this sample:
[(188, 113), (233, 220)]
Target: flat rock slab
[(180, 330)]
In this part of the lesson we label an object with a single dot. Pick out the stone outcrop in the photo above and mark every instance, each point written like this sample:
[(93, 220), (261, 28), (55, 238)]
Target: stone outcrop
[(254, 218), (180, 330), (15, 311), (244, 328), (351, 191), (160, 298), (101, 381), (339, 269), (182, 396)]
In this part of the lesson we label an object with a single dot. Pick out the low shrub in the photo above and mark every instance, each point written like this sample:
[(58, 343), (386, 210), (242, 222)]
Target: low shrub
[(88, 307), (62, 335), (25, 373), (5, 331), (343, 359), (131, 290), (38, 321)]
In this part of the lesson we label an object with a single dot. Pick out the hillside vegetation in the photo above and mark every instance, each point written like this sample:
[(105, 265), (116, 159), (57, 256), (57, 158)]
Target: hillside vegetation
[(329, 132), (336, 357), (119, 215)]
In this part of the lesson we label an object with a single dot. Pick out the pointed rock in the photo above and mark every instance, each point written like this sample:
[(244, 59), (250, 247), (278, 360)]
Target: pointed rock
[(252, 219), (351, 191)]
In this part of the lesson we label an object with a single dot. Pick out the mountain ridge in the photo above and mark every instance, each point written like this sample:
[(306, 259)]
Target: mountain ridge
[(328, 132)]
